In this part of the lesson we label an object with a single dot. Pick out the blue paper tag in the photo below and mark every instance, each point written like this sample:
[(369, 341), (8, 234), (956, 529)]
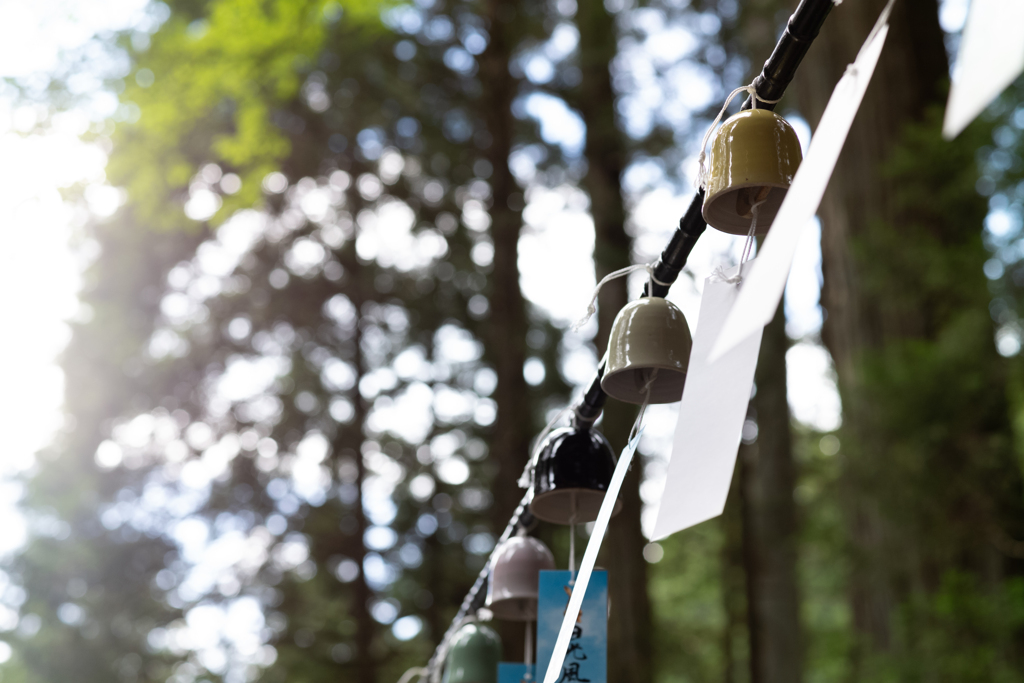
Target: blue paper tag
[(586, 659), (514, 672)]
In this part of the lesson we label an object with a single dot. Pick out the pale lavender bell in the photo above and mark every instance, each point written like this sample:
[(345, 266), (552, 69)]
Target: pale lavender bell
[(514, 576)]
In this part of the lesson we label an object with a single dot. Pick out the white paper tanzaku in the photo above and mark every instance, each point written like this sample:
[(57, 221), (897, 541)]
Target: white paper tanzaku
[(991, 56), (763, 288), (711, 417), (579, 589)]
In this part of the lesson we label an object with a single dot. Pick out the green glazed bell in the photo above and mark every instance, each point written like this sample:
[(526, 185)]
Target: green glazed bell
[(649, 333), (473, 655), (753, 158)]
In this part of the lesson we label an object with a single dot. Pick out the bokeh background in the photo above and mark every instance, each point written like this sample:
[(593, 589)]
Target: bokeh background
[(287, 288)]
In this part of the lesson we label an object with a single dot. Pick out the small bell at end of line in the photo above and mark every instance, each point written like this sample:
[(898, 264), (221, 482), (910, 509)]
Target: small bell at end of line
[(473, 655)]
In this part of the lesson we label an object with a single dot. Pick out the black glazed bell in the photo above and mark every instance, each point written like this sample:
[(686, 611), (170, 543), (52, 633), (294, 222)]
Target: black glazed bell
[(571, 476)]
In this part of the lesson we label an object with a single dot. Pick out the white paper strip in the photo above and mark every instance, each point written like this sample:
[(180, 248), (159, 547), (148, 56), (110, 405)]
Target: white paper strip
[(990, 58), (763, 288), (711, 417), (554, 669)]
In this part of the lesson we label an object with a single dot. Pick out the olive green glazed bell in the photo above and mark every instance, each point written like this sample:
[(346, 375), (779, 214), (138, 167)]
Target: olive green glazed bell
[(648, 334), (754, 156), (473, 656)]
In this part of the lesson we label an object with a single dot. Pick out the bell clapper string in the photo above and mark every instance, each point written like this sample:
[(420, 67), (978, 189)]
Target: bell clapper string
[(592, 306), (572, 539), (528, 645), (572, 550), (748, 247), (647, 399), (702, 172)]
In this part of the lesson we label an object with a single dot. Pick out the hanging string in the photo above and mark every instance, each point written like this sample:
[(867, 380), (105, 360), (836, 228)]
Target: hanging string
[(702, 172), (592, 306), (572, 549), (643, 406), (748, 246), (411, 673), (572, 539)]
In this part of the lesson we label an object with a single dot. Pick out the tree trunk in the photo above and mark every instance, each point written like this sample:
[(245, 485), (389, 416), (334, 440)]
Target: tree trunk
[(507, 325), (351, 440), (770, 537), (907, 80), (629, 630), (735, 635)]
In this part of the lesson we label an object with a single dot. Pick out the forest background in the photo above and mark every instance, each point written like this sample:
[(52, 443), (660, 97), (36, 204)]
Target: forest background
[(307, 357)]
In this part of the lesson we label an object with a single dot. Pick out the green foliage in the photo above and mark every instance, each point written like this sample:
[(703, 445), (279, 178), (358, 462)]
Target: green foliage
[(211, 87), (1002, 162), (968, 631), (823, 557), (935, 468), (89, 585), (688, 602), (371, 126), (354, 284)]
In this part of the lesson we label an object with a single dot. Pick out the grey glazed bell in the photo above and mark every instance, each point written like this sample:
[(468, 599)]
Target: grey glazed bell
[(648, 334)]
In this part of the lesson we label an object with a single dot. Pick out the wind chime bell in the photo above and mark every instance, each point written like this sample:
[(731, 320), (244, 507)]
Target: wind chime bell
[(649, 344), (753, 158), (513, 586), (473, 655), (571, 476)]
